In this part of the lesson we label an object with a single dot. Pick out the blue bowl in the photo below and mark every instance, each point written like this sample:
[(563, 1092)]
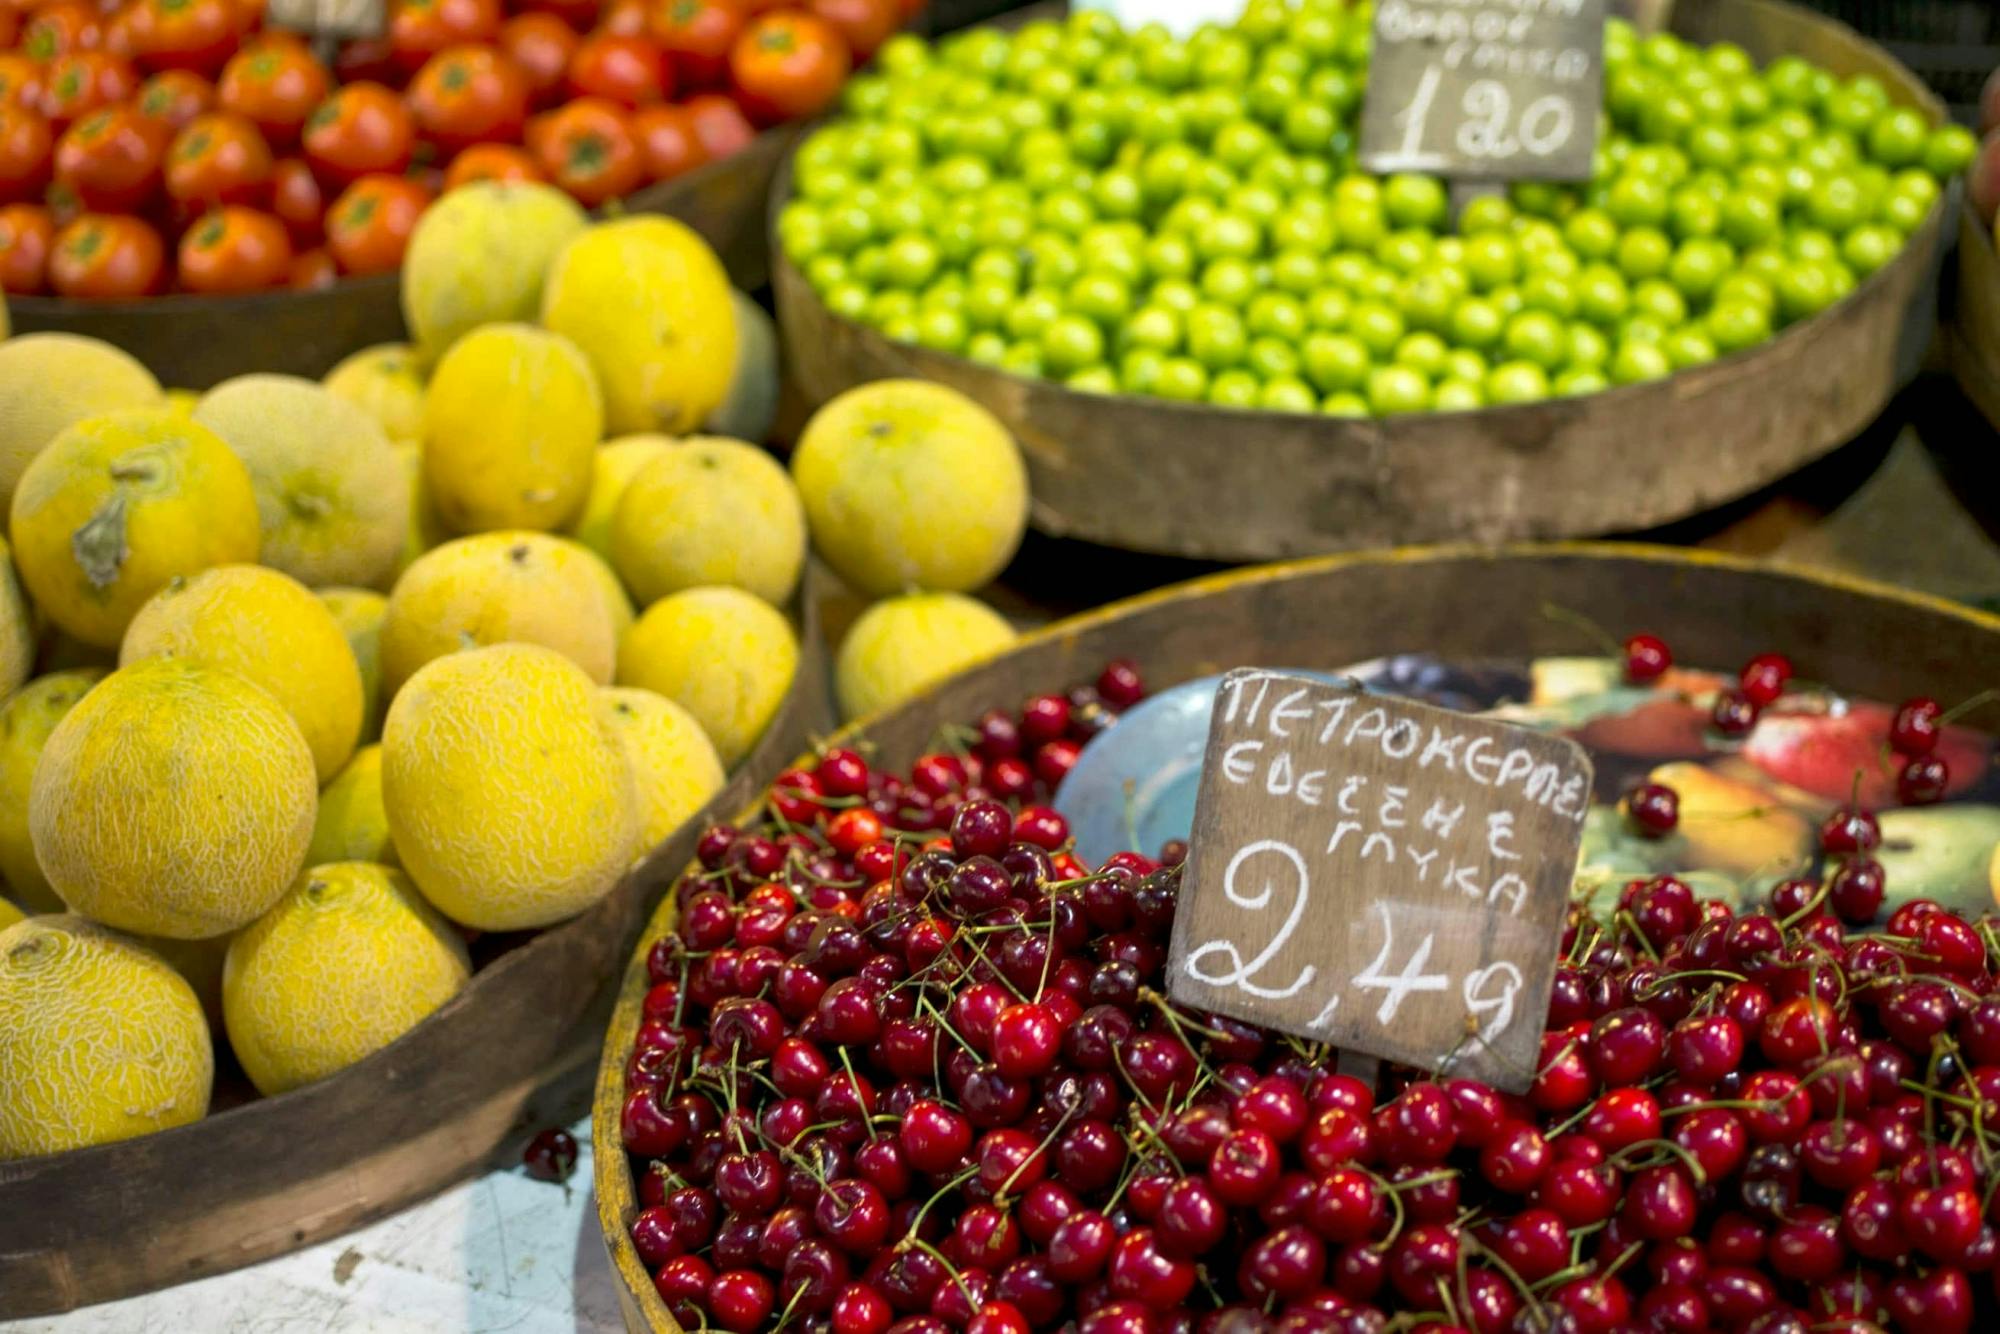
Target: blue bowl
[(1133, 787)]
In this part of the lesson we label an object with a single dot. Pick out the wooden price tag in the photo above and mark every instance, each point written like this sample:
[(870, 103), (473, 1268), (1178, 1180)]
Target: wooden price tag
[(1379, 874), (330, 19), (1495, 90)]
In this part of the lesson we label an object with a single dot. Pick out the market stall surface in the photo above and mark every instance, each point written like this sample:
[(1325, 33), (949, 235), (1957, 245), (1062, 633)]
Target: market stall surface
[(505, 1254)]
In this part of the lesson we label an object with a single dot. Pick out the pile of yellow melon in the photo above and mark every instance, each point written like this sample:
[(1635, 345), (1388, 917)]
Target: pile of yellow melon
[(335, 676)]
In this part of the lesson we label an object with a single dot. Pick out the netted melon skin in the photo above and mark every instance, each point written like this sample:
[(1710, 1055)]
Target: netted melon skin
[(100, 1039), (511, 804), (348, 961), (173, 800), (495, 588)]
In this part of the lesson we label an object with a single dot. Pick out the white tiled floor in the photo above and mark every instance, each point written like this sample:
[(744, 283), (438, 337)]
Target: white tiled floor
[(500, 1254)]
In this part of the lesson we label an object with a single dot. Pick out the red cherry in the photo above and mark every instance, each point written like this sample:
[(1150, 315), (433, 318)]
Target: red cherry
[(1733, 714), (1763, 678), (1923, 780), (1026, 1040), (740, 1299), (1916, 727), (1654, 809), (1646, 659)]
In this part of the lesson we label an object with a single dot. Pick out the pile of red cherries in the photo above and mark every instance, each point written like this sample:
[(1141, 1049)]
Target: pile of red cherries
[(908, 1067)]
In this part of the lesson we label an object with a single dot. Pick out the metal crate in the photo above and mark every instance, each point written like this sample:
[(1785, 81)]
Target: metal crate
[(1952, 44)]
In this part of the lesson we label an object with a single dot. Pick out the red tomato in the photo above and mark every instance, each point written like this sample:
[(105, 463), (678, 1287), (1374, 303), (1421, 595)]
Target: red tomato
[(491, 162), (466, 95), (697, 36), (419, 29), (312, 270), (863, 24), (193, 35), (27, 233), (235, 250), (111, 159), (173, 98), (720, 125), (787, 66), (60, 28), (274, 86), (218, 158), (587, 148), (10, 27), (21, 81), (106, 256), (362, 128), (25, 144), (368, 228), (667, 141), (627, 70), (541, 44), (81, 83), (297, 199)]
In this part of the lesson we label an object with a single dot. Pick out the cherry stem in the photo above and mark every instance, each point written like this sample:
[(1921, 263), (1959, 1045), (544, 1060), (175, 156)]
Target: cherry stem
[(1672, 1149), (1508, 1272), (1967, 705), (917, 1219), (1591, 630), (790, 1306)]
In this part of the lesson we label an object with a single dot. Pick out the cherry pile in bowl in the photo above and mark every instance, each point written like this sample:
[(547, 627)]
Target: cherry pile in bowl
[(906, 1065)]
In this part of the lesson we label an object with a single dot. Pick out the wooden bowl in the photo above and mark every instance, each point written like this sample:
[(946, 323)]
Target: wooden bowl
[(1975, 325), (1218, 484), (1458, 602), (279, 1173), (193, 342)]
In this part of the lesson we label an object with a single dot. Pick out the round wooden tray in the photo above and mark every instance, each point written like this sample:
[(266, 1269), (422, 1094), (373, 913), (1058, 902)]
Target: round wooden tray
[(1218, 484), (193, 342), (1457, 602), (1975, 324), (276, 1174)]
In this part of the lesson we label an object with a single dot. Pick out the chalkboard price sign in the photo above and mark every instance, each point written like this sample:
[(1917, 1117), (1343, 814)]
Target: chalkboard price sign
[(1379, 874), (330, 20), (1485, 89)]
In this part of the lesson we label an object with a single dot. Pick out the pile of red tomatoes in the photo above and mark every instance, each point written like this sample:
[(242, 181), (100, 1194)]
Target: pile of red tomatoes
[(149, 146)]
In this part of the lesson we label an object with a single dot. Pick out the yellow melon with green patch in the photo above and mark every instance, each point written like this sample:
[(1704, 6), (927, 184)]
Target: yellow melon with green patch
[(117, 506)]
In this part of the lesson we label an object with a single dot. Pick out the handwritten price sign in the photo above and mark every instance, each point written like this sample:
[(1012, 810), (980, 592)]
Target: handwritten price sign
[(1379, 874), (1485, 89)]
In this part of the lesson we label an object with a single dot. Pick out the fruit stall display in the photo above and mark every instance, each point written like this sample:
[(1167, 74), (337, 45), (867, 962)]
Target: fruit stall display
[(1159, 245), (350, 729), (162, 147), (894, 1056)]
